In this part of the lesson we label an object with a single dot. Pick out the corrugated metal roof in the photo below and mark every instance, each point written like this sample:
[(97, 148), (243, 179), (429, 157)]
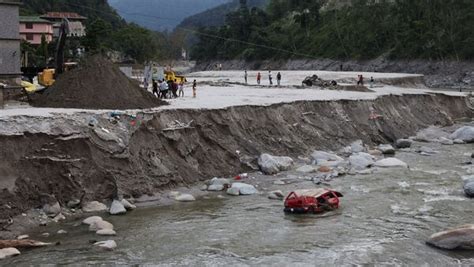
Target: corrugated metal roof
[(34, 19), (62, 15)]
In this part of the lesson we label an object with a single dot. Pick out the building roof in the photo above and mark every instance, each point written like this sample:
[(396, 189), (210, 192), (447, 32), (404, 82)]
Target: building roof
[(62, 15), (34, 19)]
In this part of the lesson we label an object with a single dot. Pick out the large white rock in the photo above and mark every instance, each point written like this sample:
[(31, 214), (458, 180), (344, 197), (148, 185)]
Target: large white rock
[(445, 141), (94, 206), (106, 245), (390, 163), (92, 219), (117, 208), (245, 189), (403, 143), (215, 187), (361, 161), (357, 146), (465, 134), (185, 198), (100, 225), (8, 252), (52, 209), (233, 191), (458, 238), (272, 164), (306, 169), (276, 195), (387, 149), (322, 156), (128, 205), (430, 134), (219, 181), (106, 232)]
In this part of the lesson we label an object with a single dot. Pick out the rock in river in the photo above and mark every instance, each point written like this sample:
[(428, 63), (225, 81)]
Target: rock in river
[(322, 156), (128, 205), (94, 206), (185, 198), (52, 209), (465, 134), (244, 189), (387, 149), (215, 187), (361, 161), (106, 232), (403, 143), (106, 245), (8, 252), (117, 208), (233, 191), (469, 185), (100, 225), (390, 163), (272, 164), (457, 238), (92, 219)]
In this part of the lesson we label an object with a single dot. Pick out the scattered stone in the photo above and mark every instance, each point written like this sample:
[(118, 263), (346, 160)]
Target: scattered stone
[(390, 163), (458, 142), (62, 232), (204, 188), (445, 141), (430, 134), (94, 206), (59, 217), (465, 134), (106, 245), (322, 156), (403, 143), (215, 187), (74, 203), (361, 161), (99, 225), (375, 152), (457, 238), (92, 219), (106, 232), (272, 164), (324, 169), (427, 151), (387, 149), (219, 181), (174, 194), (245, 189), (127, 204), (21, 237), (117, 208), (276, 195), (52, 209), (233, 191), (278, 182), (468, 185), (8, 252), (43, 223), (220, 197), (358, 146), (306, 169), (45, 234), (185, 198)]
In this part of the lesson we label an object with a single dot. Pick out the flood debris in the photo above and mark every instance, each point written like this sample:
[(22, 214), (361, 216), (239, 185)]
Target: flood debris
[(316, 200)]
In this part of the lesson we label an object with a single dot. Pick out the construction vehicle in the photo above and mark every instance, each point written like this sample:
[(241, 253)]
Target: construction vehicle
[(47, 76), (171, 76)]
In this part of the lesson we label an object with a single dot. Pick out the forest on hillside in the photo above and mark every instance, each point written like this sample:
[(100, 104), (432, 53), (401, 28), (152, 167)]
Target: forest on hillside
[(365, 29)]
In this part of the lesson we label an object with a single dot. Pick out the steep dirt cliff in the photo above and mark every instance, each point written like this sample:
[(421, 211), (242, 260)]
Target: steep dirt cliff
[(142, 155)]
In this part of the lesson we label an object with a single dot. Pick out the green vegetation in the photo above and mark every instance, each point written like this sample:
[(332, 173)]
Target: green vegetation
[(106, 31), (366, 29)]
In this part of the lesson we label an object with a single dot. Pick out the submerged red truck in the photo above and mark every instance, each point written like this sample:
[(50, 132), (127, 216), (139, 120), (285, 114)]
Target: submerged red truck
[(316, 200)]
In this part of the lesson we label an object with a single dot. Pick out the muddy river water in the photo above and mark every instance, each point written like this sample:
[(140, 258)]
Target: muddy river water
[(385, 219)]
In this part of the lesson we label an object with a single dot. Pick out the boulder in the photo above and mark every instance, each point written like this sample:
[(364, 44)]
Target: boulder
[(361, 161), (445, 141), (387, 149), (272, 164), (219, 181), (92, 219), (358, 146), (94, 206), (466, 134), (458, 238), (127, 204), (458, 142), (106, 232), (215, 187), (279, 182), (100, 225), (324, 169), (117, 208), (390, 163), (424, 150), (8, 252), (59, 217), (375, 152), (469, 188), (403, 143), (233, 191), (430, 134), (322, 156), (185, 198), (106, 245), (52, 209), (306, 169), (245, 189), (276, 195), (74, 203), (21, 237)]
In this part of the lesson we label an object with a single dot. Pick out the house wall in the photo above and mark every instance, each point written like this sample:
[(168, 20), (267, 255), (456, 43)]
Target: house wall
[(9, 20), (10, 56), (38, 30)]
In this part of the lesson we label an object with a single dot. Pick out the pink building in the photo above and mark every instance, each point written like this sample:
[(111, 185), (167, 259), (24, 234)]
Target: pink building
[(33, 28)]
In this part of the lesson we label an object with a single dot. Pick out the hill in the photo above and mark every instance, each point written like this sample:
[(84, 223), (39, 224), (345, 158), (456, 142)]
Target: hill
[(171, 12)]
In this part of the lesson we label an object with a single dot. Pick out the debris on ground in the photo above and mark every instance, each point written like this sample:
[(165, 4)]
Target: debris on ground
[(96, 84), (316, 200)]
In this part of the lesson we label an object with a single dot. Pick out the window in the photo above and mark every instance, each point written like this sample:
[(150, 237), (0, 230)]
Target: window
[(29, 25), (29, 36)]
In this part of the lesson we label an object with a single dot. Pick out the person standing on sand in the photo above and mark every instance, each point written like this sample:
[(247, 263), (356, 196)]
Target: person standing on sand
[(361, 80), (270, 78), (194, 88), (259, 78), (175, 88), (372, 81), (279, 78), (155, 88), (245, 76), (164, 89), (181, 89)]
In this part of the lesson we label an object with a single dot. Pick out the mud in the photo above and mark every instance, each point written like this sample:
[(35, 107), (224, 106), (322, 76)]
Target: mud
[(135, 157), (96, 84)]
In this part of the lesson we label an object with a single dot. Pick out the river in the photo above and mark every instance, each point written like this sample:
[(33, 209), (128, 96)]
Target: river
[(385, 219)]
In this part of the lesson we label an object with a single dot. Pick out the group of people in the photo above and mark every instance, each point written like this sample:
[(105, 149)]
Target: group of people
[(259, 78), (360, 81), (170, 89)]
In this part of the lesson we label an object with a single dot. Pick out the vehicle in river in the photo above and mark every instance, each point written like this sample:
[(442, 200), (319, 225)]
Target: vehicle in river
[(316, 200)]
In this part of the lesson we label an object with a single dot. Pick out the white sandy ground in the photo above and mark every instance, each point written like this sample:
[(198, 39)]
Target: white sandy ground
[(222, 96)]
